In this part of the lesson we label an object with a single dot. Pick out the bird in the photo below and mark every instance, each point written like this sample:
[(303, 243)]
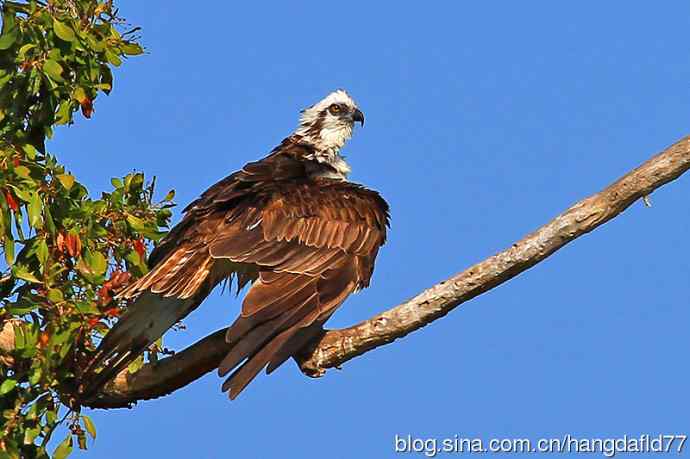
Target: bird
[(290, 225)]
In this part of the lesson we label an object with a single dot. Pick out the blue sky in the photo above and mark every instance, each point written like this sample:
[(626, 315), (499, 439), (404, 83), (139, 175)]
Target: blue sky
[(484, 120)]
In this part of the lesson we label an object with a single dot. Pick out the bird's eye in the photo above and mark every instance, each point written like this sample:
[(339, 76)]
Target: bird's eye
[(334, 109)]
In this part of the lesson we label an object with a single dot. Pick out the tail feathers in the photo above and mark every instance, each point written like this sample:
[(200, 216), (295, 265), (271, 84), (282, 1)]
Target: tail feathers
[(248, 371), (279, 348), (295, 344), (262, 344), (274, 325), (143, 323), (258, 336)]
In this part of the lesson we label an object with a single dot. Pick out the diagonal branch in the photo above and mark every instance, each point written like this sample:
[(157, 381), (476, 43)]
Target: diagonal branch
[(339, 346), (335, 347)]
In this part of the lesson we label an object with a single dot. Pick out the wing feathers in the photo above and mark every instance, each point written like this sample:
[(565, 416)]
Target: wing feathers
[(263, 295), (143, 323), (301, 315), (312, 248), (248, 371), (259, 335), (305, 243)]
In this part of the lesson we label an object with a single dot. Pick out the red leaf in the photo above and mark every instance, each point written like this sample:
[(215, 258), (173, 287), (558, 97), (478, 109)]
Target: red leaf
[(118, 279), (140, 248), (93, 321), (73, 244), (112, 312), (86, 107), (10, 201), (15, 161), (104, 294)]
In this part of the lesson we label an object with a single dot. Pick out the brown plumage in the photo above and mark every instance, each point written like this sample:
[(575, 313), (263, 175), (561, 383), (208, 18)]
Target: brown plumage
[(303, 240)]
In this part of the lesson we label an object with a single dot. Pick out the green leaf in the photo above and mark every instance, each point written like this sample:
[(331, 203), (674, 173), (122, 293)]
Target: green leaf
[(55, 296), (61, 338), (22, 194), (42, 252), (86, 307), (22, 171), (35, 207), (134, 261), (64, 112), (117, 183), (53, 69), (25, 49), (96, 262), (32, 414), (63, 31), (9, 251), (8, 38), (22, 272), (132, 49), (30, 435), (8, 17), (136, 223), (19, 337), (50, 224), (7, 385), (30, 151), (170, 196), (55, 54), (79, 94), (89, 425), (35, 376), (19, 308), (37, 81), (64, 449), (106, 78), (67, 180), (128, 181), (113, 58)]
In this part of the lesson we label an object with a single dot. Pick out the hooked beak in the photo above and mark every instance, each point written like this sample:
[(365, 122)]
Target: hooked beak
[(357, 115)]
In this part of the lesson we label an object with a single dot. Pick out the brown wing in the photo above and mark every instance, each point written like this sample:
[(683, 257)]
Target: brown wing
[(181, 264), (305, 244), (182, 271), (205, 214), (314, 244)]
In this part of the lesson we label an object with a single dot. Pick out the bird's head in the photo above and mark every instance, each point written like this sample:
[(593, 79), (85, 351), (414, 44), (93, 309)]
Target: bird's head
[(328, 123)]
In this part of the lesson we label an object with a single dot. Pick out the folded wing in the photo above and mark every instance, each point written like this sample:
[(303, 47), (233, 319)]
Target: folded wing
[(312, 246), (304, 244)]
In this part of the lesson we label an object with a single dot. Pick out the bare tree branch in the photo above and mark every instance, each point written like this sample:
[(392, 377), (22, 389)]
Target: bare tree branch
[(157, 379), (339, 346), (335, 347)]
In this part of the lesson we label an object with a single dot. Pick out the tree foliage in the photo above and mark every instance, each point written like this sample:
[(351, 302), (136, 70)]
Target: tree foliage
[(64, 253)]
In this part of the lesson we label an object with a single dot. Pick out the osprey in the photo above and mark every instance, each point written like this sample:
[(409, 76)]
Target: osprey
[(290, 224)]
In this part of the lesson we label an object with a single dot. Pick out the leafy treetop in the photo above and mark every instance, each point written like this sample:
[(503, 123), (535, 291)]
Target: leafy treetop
[(64, 254)]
